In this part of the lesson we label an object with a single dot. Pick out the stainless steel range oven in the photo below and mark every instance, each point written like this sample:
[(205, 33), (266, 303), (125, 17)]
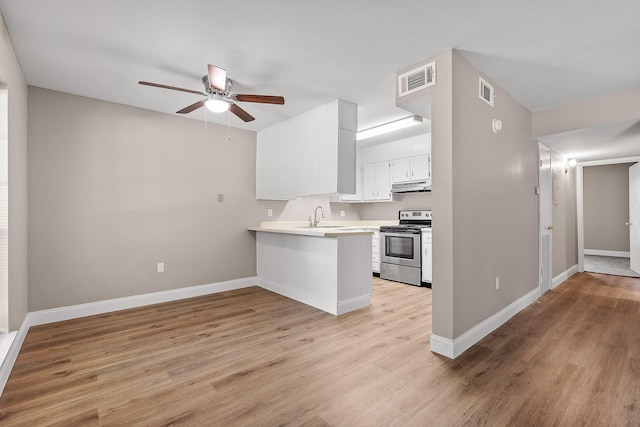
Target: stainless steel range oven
[(400, 247)]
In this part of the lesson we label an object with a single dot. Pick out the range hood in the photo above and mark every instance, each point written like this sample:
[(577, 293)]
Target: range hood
[(411, 186)]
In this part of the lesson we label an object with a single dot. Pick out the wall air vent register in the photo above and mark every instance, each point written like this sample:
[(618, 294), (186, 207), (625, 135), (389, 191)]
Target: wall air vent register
[(486, 92), (417, 79)]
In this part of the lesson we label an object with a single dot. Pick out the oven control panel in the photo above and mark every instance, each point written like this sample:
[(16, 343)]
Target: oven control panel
[(417, 215)]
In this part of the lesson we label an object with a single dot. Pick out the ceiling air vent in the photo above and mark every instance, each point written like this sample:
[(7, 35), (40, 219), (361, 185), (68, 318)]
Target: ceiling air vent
[(416, 79), (486, 92)]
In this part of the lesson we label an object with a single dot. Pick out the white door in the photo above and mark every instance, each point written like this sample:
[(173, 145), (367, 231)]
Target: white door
[(634, 216), (545, 221)]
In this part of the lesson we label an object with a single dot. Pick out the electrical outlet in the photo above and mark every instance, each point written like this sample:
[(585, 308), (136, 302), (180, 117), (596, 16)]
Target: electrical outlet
[(497, 283), (269, 212), (343, 212), (161, 267)]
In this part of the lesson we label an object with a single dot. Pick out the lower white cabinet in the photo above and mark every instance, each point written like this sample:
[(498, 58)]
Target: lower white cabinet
[(427, 256), (375, 251)]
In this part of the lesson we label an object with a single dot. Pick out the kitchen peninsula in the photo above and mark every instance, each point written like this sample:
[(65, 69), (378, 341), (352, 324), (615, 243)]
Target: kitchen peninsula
[(327, 267)]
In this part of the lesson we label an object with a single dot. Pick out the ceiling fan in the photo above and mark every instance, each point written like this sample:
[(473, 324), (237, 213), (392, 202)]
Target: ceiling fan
[(219, 97)]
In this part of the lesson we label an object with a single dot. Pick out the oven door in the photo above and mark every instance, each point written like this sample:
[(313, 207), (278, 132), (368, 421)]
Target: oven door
[(400, 248)]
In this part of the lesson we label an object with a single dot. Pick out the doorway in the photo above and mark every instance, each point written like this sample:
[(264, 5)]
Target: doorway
[(601, 260)]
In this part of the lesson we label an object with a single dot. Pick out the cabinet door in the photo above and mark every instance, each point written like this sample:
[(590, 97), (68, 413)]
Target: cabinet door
[(369, 181), (401, 170), (420, 167), (383, 181)]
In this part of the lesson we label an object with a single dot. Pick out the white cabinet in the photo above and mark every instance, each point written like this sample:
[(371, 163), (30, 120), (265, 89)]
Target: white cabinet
[(376, 181), (313, 153), (357, 197), (413, 168), (421, 167), (427, 257), (375, 251)]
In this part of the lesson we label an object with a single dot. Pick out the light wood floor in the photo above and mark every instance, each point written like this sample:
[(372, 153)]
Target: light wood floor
[(250, 357)]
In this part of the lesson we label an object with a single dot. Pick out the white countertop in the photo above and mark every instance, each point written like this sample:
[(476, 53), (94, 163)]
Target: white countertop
[(324, 229)]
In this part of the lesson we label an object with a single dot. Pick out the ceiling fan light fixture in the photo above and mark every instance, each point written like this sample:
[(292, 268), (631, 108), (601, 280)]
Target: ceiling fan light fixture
[(217, 104)]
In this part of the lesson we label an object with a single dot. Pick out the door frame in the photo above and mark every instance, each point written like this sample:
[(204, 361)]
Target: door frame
[(548, 201), (580, 200)]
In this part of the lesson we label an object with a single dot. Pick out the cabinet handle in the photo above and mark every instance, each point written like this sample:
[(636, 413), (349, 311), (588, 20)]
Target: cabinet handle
[(411, 173)]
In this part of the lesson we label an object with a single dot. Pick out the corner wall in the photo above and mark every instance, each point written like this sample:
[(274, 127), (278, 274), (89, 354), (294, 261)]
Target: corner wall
[(495, 207), (485, 210), (11, 76)]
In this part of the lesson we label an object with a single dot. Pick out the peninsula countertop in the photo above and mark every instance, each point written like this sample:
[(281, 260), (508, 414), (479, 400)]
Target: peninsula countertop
[(324, 229)]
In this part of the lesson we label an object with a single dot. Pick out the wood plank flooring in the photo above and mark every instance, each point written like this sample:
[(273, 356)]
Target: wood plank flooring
[(253, 358)]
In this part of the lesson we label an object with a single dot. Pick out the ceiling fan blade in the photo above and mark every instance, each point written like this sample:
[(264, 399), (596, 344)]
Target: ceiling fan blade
[(243, 115), (217, 78), (172, 88), (191, 107), (263, 99)]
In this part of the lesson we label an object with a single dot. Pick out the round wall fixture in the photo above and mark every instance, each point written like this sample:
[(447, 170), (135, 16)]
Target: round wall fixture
[(496, 125)]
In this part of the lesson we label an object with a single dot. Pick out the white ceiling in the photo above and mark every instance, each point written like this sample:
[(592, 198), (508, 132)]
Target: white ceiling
[(544, 53)]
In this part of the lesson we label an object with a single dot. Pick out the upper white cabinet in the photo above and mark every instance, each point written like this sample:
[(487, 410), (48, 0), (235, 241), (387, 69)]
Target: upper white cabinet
[(313, 153), (411, 169), (377, 181), (357, 197)]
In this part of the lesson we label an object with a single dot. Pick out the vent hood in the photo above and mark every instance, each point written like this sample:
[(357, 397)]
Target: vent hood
[(411, 186)]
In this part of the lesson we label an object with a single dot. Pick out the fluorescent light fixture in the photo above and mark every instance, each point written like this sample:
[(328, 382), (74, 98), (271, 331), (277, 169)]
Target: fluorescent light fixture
[(389, 127), (217, 104)]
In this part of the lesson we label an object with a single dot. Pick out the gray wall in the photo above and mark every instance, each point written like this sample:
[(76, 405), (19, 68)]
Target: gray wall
[(11, 77), (606, 207), (588, 113), (113, 190), (483, 198), (564, 241), (495, 207)]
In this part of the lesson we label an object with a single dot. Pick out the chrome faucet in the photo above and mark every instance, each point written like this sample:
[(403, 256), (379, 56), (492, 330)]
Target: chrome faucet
[(316, 221)]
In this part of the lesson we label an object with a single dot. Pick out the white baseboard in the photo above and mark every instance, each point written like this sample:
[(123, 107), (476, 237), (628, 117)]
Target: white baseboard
[(14, 350), (299, 296), (619, 254), (454, 348), (90, 309), (82, 310), (353, 304), (564, 275)]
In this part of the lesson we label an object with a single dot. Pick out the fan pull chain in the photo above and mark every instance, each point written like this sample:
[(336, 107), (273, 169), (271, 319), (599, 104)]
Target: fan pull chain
[(228, 126)]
